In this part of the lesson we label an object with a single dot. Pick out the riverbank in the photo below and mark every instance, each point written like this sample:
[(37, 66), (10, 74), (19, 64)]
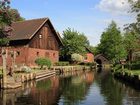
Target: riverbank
[(131, 76), (18, 78), (64, 69)]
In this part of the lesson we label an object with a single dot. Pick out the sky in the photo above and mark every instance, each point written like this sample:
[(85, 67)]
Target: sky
[(90, 17)]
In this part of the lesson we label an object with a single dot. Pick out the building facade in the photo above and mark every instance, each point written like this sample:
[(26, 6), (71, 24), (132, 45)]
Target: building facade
[(31, 39)]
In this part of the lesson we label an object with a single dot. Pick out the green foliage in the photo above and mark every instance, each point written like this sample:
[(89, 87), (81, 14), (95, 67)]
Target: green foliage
[(77, 58), (5, 19), (74, 42), (136, 56), (88, 63), (4, 41), (7, 16), (15, 15), (135, 65), (130, 41), (117, 67), (5, 22), (43, 62), (61, 63), (135, 8), (94, 50), (111, 44)]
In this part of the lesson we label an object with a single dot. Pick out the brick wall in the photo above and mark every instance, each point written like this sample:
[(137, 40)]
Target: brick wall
[(34, 53), (90, 57), (28, 56)]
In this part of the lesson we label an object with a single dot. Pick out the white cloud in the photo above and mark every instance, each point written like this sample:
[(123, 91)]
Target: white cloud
[(117, 7)]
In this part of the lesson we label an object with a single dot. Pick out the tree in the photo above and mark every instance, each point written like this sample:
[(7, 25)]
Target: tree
[(111, 44), (5, 30), (130, 43), (74, 42), (77, 58), (5, 22), (135, 26), (15, 15)]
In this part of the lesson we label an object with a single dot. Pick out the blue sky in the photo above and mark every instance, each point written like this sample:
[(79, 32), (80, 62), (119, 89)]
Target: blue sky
[(90, 17)]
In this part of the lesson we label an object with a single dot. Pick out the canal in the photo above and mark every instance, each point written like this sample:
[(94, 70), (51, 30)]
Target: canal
[(79, 88)]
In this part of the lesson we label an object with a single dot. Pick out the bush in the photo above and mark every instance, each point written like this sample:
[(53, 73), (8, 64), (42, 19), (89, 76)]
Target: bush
[(88, 63), (135, 65), (43, 62), (25, 69), (77, 58), (117, 67), (61, 63)]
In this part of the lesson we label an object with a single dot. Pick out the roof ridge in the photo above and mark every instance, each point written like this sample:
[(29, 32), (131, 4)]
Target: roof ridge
[(32, 20)]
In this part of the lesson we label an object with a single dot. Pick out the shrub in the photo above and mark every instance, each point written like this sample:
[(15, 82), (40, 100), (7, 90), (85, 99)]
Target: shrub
[(43, 62), (135, 65), (88, 63), (77, 58), (117, 66), (62, 63), (25, 69)]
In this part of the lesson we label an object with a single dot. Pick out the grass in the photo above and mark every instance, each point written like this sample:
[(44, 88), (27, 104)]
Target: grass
[(134, 72), (0, 72)]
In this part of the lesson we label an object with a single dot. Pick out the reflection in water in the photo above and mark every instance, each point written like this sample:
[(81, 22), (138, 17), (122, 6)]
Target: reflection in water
[(78, 88)]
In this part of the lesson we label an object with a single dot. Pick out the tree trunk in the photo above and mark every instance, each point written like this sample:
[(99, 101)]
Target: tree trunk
[(4, 55), (130, 59)]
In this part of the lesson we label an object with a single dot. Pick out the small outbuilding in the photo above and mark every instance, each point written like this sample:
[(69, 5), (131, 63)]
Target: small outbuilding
[(101, 59)]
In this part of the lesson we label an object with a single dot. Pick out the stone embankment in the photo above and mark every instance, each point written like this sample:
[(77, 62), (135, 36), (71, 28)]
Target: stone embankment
[(16, 80), (64, 69), (36, 75)]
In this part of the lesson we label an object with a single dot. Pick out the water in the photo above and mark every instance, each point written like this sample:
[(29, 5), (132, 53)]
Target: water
[(79, 88)]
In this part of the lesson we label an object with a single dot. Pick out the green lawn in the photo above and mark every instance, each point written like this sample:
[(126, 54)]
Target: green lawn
[(132, 72)]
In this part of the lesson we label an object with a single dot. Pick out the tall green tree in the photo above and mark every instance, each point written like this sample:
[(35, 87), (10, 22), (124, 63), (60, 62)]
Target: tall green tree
[(130, 43), (135, 9), (74, 42), (5, 22), (111, 43), (93, 49)]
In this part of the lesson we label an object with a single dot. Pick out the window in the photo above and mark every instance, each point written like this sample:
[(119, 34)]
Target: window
[(37, 53), (40, 36), (18, 53), (53, 54)]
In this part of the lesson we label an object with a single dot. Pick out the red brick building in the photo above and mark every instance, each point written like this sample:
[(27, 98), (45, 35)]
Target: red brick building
[(32, 39), (89, 57)]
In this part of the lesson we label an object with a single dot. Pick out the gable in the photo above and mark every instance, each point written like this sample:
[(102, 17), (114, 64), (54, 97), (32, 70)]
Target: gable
[(26, 30), (45, 38)]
